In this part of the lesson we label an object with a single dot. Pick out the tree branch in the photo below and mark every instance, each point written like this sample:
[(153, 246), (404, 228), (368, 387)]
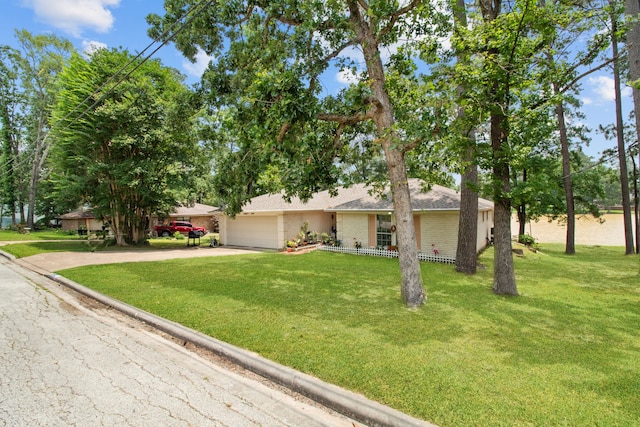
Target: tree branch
[(570, 84), (283, 131), (410, 146), (337, 52), (586, 73), (346, 120), (336, 137), (394, 16)]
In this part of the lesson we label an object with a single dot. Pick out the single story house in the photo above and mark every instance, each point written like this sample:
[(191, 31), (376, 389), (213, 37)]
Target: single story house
[(198, 214), (81, 219), (355, 215)]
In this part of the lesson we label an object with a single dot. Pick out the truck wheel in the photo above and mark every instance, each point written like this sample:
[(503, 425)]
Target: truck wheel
[(165, 233)]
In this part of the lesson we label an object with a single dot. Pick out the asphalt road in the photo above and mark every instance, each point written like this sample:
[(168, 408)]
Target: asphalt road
[(65, 362)]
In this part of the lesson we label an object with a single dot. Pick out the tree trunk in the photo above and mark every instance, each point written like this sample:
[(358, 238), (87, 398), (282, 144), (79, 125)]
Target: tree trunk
[(23, 217), (570, 243), (636, 203), (118, 228), (8, 168), (39, 154), (521, 211), (412, 288), (632, 9), (504, 280), (522, 220), (622, 154), (33, 186), (467, 252)]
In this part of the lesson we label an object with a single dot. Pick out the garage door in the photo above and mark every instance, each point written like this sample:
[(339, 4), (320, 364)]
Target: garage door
[(255, 231)]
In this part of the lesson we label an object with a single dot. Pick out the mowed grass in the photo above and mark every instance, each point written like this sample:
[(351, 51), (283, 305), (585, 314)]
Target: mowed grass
[(21, 248), (565, 352), (49, 234)]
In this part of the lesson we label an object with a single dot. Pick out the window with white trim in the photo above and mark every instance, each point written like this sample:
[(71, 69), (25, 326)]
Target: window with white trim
[(383, 230)]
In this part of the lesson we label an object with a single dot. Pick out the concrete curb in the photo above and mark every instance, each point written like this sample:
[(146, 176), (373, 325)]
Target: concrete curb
[(352, 405), (343, 401), (8, 256)]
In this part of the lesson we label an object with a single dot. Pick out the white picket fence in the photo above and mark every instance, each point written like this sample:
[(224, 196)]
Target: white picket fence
[(385, 253)]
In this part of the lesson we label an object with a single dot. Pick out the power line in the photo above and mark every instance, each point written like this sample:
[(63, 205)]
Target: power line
[(194, 11), (139, 55), (599, 162), (140, 63)]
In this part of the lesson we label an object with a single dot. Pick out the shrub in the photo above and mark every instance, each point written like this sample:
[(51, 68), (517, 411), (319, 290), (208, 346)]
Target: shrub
[(526, 240)]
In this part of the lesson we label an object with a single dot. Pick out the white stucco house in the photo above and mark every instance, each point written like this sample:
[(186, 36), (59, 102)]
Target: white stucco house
[(269, 221)]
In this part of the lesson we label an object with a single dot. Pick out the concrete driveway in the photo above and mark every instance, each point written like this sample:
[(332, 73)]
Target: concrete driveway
[(55, 261)]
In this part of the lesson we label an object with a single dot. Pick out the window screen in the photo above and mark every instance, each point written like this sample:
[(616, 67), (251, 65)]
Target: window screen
[(383, 230)]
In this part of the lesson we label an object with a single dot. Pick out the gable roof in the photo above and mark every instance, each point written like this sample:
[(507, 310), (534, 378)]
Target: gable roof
[(84, 213), (438, 198), (197, 209), (357, 198)]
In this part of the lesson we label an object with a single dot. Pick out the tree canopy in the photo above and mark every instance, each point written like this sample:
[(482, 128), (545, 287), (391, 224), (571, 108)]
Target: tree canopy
[(265, 90), (28, 87), (125, 146)]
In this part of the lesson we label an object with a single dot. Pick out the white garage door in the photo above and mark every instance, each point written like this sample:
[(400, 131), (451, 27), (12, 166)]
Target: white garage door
[(255, 231)]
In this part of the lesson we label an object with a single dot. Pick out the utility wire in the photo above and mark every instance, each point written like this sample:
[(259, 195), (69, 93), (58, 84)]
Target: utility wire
[(140, 63), (599, 162), (139, 55), (195, 10)]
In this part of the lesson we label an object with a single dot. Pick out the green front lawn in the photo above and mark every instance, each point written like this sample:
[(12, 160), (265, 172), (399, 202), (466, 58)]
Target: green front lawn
[(566, 352), (25, 249), (49, 234), (22, 248)]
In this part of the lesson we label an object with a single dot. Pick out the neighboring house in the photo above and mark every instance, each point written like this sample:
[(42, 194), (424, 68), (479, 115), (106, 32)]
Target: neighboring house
[(354, 215), (81, 219), (198, 214)]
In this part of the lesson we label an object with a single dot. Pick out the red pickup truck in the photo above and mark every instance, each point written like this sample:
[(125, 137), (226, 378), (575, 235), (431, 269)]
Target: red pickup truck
[(183, 227)]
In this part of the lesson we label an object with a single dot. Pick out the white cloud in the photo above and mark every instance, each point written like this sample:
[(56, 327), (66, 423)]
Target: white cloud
[(346, 77), (72, 16), (196, 69), (604, 87), (91, 46), (586, 100)]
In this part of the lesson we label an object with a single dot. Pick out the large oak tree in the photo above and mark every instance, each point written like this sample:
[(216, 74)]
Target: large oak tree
[(270, 57)]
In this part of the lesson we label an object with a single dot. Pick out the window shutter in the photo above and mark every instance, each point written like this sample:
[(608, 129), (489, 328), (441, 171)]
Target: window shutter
[(372, 230), (418, 227)]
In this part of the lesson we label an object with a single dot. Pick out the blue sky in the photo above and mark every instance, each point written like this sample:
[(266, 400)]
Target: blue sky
[(121, 23)]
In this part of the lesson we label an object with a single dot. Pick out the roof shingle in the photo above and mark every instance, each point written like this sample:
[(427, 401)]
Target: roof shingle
[(358, 198)]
